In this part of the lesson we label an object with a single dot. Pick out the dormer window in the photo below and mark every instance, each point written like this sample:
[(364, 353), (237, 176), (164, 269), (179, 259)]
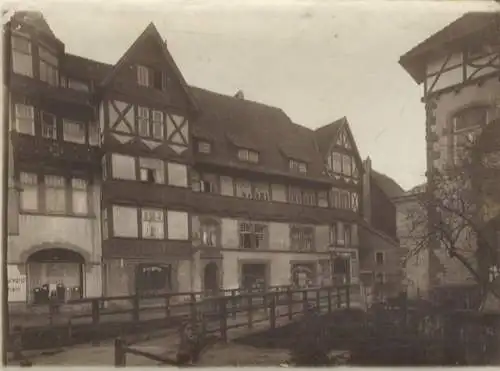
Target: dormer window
[(204, 147), (22, 60), (298, 166), (248, 155), (150, 78), (49, 71)]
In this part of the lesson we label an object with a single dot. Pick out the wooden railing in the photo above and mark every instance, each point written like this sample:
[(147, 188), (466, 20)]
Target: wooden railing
[(219, 315), (101, 318)]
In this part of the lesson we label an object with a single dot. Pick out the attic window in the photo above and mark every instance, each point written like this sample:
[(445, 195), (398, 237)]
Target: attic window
[(151, 78), (143, 76), (204, 147), (298, 166), (248, 155)]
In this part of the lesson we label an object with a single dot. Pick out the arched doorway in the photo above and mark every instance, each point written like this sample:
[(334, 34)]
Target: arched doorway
[(56, 274), (211, 278)]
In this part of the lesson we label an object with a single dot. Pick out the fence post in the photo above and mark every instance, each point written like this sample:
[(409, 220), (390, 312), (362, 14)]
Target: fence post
[(135, 308), (167, 306), (250, 311), (329, 300), (95, 321), (272, 315), (318, 300), (348, 296), (290, 303), (120, 354), (192, 307), (265, 302), (223, 318), (233, 303), (339, 298), (304, 301)]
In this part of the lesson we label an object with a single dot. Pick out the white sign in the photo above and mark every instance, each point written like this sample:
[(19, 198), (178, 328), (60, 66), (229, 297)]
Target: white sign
[(17, 284)]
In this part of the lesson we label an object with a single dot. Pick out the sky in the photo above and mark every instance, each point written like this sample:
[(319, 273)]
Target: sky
[(316, 60)]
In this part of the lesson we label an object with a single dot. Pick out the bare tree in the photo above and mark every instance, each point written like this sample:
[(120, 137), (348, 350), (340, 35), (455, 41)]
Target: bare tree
[(457, 214)]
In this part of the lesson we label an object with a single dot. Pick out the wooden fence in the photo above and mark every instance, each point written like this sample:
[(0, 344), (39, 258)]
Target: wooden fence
[(219, 315), (102, 318)]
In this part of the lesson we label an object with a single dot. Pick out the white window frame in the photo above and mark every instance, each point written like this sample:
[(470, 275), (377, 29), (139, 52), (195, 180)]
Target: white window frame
[(49, 64), (175, 166), (248, 155), (157, 128), (209, 234), (25, 114), (29, 182), (309, 198), (49, 131), (153, 223), (55, 185), (21, 54), (143, 122), (158, 169), (243, 188), (143, 76), (68, 136), (130, 161), (79, 186)]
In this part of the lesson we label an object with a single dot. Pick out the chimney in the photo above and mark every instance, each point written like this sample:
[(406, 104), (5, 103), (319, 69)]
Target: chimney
[(239, 95)]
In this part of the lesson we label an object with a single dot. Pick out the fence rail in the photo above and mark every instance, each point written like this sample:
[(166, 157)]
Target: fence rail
[(116, 316)]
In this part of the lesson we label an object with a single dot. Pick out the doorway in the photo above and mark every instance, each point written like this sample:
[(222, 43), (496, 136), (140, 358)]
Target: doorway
[(254, 276), (211, 279), (342, 270)]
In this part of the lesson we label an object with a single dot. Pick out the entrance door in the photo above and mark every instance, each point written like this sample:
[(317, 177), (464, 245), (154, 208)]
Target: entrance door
[(342, 270), (211, 279)]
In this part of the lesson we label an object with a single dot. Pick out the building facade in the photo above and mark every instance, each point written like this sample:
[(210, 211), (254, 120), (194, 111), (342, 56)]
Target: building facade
[(459, 70), (127, 180)]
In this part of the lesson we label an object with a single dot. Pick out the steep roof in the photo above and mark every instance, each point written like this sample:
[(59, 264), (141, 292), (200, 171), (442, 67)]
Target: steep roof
[(79, 67), (387, 184), (325, 134), (232, 122), (469, 25), (34, 19)]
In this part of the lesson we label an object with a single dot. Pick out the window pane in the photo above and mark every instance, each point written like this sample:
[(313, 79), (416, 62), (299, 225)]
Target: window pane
[(143, 121), (80, 202), (25, 119), (143, 76), (151, 170), (29, 193), (49, 129), (78, 85), (243, 189), (177, 174), (177, 225), (346, 165), (125, 221), (49, 73), (243, 154), (152, 223), (21, 44), (73, 131), (123, 167), (93, 134), (22, 64), (337, 162)]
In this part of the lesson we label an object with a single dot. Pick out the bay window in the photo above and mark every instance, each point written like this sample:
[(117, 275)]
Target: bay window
[(25, 119), (29, 191), (48, 66), (55, 193), (22, 58)]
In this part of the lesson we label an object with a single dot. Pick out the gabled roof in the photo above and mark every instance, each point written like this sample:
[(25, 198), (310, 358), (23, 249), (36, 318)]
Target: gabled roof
[(35, 19), (470, 24), (232, 122), (387, 185), (326, 135), (86, 69), (150, 31)]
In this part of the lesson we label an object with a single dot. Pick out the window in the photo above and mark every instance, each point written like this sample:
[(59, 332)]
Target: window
[(29, 191), (123, 167), (309, 198), (25, 119), (379, 258), (94, 135), (340, 233), (336, 162), (345, 199), (151, 170), (73, 131), (22, 60), (295, 195), (346, 165), (49, 128), (466, 125), (80, 196), (157, 124), (248, 155), (354, 201), (323, 198), (208, 234), (335, 198), (159, 80), (298, 166), (302, 238), (347, 235), (178, 225), (105, 224), (243, 189), (333, 234), (177, 174), (78, 85), (261, 192), (152, 224), (143, 121), (204, 147), (252, 236), (143, 76), (55, 194), (48, 66), (125, 221), (380, 278), (342, 164)]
